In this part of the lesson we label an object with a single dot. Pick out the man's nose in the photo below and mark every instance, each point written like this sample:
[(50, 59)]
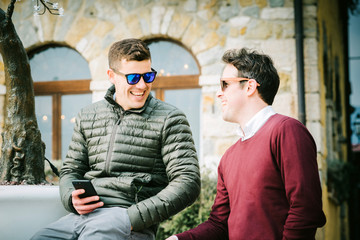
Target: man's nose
[(141, 83), (219, 93)]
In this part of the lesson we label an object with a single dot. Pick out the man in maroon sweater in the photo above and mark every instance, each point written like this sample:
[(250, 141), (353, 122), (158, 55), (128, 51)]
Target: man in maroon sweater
[(268, 181)]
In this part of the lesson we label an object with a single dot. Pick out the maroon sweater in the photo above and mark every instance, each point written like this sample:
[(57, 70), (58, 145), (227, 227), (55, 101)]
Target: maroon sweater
[(268, 187)]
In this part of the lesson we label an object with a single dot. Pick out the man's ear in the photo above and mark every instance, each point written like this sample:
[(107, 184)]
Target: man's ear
[(252, 86), (111, 75)]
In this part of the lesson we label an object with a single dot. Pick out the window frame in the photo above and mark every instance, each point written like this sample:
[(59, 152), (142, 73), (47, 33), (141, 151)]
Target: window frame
[(163, 83), (57, 89)]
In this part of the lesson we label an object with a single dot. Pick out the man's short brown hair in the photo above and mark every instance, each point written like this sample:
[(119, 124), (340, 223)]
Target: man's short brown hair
[(252, 64), (131, 49)]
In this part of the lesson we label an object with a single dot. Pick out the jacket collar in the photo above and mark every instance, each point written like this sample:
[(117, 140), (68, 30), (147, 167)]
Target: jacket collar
[(109, 96)]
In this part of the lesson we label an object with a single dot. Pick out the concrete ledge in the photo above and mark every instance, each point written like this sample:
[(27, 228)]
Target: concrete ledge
[(26, 209)]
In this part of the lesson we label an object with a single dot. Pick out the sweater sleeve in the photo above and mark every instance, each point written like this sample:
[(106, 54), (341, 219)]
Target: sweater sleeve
[(215, 228), (182, 169), (296, 156)]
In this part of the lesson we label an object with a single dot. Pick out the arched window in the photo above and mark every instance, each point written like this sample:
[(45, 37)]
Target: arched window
[(178, 80), (62, 87)]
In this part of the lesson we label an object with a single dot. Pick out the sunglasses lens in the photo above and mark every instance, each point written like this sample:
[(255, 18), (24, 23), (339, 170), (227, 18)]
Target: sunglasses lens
[(223, 85), (133, 78), (149, 77)]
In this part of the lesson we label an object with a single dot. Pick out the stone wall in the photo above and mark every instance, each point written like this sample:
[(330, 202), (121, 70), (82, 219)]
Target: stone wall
[(206, 27)]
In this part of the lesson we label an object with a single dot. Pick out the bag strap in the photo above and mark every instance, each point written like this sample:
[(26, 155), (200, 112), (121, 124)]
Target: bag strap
[(53, 168)]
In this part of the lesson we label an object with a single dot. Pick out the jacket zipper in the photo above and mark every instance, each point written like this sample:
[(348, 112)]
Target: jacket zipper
[(111, 146)]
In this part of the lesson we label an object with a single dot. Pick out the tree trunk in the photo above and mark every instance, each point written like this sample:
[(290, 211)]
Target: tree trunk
[(22, 159)]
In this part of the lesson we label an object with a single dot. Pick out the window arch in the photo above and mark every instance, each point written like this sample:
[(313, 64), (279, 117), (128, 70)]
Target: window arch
[(177, 81), (62, 87)]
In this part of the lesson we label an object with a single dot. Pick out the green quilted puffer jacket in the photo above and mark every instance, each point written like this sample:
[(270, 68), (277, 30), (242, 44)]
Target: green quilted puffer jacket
[(140, 159)]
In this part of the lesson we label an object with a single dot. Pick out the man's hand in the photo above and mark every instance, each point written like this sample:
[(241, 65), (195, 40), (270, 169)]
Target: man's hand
[(172, 238), (80, 204)]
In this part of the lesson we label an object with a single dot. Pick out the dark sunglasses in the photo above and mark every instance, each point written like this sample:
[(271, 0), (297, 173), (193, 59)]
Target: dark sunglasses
[(134, 78), (224, 84)]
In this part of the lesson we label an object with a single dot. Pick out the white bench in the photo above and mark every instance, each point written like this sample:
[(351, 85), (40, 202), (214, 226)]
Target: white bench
[(24, 209)]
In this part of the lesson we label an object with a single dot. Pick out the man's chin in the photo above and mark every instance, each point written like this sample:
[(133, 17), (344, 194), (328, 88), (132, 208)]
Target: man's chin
[(227, 118), (138, 105)]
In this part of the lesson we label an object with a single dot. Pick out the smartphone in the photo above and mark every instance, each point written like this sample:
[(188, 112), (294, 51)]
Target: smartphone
[(87, 186)]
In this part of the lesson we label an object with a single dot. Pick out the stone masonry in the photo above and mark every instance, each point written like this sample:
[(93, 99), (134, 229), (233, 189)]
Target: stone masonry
[(206, 27)]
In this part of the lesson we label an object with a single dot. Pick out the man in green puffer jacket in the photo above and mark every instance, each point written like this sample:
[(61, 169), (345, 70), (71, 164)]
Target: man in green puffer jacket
[(137, 151)]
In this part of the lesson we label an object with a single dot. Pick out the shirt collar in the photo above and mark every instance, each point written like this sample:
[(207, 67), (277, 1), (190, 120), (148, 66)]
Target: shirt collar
[(255, 123)]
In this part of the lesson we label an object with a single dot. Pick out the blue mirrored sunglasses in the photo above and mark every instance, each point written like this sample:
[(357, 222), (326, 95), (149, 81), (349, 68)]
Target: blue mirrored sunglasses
[(134, 78)]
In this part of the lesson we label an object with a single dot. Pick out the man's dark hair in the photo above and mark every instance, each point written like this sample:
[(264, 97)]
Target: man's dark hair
[(251, 64), (131, 49)]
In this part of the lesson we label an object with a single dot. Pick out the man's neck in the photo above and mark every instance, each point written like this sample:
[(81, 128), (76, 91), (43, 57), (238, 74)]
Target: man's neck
[(250, 111), (255, 123)]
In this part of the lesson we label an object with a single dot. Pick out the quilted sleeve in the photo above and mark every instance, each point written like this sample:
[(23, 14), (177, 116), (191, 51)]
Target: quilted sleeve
[(182, 168), (75, 165)]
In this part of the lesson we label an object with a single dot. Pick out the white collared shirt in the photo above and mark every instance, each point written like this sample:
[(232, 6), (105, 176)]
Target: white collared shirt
[(255, 123)]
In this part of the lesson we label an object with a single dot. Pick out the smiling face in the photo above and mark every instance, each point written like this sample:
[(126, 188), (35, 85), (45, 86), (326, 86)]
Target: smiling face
[(130, 96)]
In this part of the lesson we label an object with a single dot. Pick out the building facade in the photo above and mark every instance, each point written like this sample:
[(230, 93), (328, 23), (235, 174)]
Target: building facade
[(205, 29)]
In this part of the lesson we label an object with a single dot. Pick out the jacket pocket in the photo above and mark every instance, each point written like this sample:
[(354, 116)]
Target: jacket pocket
[(135, 181), (127, 185)]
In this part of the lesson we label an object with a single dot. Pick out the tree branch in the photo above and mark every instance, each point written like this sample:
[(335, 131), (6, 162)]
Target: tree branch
[(53, 8), (10, 10)]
